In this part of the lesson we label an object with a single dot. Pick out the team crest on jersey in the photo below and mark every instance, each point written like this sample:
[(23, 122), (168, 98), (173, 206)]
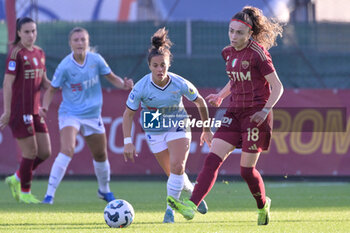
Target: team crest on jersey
[(234, 61), (12, 66), (35, 61), (25, 57), (245, 64)]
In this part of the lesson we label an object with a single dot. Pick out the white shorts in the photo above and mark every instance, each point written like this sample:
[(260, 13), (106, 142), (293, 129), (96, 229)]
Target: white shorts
[(85, 126), (158, 142)]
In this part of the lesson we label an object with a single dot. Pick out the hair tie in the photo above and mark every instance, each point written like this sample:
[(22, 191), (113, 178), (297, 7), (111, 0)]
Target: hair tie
[(247, 24)]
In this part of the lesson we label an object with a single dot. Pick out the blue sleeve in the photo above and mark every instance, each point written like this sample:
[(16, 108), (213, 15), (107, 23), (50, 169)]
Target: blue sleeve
[(134, 98), (103, 66), (189, 91), (59, 77)]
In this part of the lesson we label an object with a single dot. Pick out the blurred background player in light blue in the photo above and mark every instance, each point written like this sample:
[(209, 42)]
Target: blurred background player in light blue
[(80, 110), (161, 91), (25, 75)]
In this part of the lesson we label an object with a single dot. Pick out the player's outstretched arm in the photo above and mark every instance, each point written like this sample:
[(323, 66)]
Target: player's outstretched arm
[(49, 93), (7, 91), (216, 99), (125, 84)]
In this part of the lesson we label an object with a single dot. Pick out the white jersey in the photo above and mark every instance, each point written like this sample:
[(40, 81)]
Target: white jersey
[(159, 101)]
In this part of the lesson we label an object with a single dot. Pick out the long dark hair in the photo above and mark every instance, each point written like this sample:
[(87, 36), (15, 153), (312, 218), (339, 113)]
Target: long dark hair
[(265, 31), (160, 44), (19, 23)]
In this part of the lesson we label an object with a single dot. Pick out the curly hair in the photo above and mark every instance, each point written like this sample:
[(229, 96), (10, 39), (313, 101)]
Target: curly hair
[(265, 31)]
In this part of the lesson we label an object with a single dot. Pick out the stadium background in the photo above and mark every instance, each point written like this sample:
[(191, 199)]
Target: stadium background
[(311, 60)]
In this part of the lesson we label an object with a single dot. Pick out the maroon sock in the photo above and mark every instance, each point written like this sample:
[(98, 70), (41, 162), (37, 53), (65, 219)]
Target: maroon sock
[(36, 163), (25, 171), (206, 178), (255, 184)]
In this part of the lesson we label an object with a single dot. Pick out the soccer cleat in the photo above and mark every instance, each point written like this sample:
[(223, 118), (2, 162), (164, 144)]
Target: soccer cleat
[(264, 213), (108, 197), (48, 200), (187, 208), (28, 198), (14, 185), (168, 216), (202, 208)]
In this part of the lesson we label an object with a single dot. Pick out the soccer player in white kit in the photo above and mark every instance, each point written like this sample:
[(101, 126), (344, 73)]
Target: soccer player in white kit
[(161, 92), (80, 110)]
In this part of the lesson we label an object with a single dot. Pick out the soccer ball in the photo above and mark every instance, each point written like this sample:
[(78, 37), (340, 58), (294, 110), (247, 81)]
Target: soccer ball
[(119, 213)]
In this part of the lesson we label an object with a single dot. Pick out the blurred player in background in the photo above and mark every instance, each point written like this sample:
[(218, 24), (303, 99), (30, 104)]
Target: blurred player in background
[(78, 76), (160, 91), (25, 75), (254, 88)]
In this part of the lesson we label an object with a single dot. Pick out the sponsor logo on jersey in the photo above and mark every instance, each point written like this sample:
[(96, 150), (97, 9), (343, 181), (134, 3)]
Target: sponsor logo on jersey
[(27, 63), (245, 64), (76, 87), (239, 76), (12, 66)]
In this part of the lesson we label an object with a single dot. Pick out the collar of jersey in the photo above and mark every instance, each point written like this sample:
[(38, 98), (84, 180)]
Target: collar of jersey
[(158, 87), (81, 66)]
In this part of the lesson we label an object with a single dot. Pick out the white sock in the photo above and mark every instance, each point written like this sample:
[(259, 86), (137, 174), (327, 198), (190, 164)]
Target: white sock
[(188, 186), (17, 178), (57, 173), (175, 185), (103, 174)]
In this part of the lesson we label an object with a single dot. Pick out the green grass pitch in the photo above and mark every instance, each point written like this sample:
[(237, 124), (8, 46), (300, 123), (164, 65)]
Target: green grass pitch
[(296, 207)]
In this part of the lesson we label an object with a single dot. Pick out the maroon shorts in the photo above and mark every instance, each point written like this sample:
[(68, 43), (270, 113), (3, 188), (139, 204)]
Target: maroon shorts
[(237, 130), (26, 125)]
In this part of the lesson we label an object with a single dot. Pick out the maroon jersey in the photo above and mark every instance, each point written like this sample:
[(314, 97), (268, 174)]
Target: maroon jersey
[(28, 68), (246, 69)]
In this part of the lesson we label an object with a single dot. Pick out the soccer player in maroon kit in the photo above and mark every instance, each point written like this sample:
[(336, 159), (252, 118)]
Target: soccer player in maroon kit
[(254, 89), (25, 75)]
